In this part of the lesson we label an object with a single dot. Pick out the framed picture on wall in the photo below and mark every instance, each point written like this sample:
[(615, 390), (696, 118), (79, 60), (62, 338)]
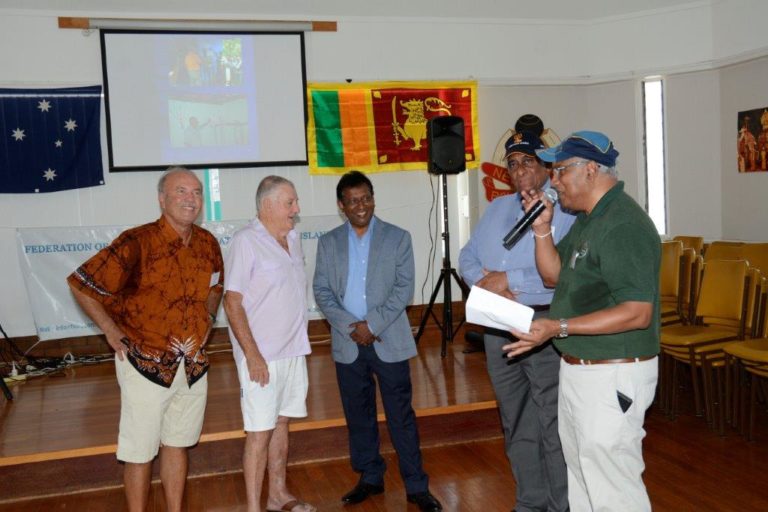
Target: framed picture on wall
[(752, 140)]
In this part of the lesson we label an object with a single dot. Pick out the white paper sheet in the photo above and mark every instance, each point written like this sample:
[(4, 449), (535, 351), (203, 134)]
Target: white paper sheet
[(492, 310)]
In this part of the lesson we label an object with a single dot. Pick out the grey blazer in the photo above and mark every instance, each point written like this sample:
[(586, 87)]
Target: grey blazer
[(389, 289)]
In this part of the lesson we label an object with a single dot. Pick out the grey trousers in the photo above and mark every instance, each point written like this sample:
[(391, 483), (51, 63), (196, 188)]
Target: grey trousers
[(526, 391)]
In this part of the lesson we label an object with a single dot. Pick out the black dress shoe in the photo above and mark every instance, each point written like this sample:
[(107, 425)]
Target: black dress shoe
[(361, 492), (425, 501)]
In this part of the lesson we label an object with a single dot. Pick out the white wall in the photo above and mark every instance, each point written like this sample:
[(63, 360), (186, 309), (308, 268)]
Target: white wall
[(609, 108), (738, 28), (562, 108), (507, 56), (744, 196), (692, 112)]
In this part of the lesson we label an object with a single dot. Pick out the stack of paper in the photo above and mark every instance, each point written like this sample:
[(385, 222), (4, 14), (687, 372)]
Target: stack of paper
[(492, 310)]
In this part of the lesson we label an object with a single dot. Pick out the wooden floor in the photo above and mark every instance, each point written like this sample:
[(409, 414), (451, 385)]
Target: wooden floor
[(688, 467)]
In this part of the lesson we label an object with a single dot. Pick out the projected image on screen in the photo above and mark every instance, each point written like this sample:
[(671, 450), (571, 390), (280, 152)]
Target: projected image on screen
[(221, 121), (204, 100), (197, 62)]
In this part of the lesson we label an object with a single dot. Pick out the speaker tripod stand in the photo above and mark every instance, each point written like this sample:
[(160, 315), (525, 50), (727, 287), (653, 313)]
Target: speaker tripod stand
[(6, 391), (446, 273)]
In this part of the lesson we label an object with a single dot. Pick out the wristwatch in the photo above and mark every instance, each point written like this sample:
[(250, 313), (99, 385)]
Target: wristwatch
[(563, 328)]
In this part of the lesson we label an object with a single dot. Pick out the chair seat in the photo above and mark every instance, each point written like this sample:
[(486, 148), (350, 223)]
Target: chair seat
[(711, 352), (752, 350), (686, 335)]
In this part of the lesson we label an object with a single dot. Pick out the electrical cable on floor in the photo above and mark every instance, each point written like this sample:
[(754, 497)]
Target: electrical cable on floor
[(19, 370)]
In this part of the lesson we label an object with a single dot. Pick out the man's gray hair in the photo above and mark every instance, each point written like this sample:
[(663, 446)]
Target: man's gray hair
[(268, 186), (611, 171), (171, 170)]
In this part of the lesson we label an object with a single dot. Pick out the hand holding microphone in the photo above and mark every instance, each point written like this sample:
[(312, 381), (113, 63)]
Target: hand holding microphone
[(530, 216)]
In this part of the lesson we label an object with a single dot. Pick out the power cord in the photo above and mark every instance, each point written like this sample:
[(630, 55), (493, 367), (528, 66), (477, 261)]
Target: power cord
[(433, 210)]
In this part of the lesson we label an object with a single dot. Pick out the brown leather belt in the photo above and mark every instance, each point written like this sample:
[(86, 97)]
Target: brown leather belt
[(540, 307), (575, 360)]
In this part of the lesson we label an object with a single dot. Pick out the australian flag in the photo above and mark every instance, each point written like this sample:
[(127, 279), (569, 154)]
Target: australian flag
[(50, 139)]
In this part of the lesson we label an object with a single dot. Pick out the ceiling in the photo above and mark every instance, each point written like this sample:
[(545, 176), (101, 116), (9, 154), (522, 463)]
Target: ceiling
[(550, 10)]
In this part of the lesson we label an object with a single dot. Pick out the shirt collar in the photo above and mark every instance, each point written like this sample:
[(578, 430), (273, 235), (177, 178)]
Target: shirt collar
[(170, 235), (262, 232), (368, 232)]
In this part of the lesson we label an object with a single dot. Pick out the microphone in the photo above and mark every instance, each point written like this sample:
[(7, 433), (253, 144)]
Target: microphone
[(531, 215)]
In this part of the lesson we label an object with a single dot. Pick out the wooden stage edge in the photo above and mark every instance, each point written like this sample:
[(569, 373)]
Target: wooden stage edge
[(237, 434)]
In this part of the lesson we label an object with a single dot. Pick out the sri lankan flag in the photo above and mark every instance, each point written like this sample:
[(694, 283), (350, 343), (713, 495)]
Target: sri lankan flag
[(382, 126)]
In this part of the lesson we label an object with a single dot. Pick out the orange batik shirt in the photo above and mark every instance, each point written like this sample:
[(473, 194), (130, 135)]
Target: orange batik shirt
[(155, 289)]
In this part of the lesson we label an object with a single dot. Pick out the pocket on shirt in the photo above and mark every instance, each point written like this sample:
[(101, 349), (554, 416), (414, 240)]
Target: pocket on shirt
[(268, 272)]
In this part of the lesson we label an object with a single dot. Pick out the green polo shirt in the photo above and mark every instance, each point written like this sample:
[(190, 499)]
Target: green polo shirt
[(609, 257)]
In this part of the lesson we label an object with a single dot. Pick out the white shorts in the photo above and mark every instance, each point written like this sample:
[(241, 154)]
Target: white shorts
[(151, 415), (285, 395)]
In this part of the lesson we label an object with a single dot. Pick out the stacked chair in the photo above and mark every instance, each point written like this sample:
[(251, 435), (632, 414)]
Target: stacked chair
[(747, 361), (718, 331), (720, 318), (669, 282), (692, 242), (681, 268), (724, 251)]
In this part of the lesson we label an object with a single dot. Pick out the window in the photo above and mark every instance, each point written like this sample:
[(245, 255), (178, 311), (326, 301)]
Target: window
[(655, 162)]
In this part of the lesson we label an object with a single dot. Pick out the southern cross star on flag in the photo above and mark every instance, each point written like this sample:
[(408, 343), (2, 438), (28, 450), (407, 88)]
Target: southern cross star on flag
[(50, 139)]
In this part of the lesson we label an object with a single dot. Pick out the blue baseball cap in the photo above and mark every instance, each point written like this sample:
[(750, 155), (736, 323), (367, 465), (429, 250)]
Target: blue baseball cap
[(522, 142), (584, 144)]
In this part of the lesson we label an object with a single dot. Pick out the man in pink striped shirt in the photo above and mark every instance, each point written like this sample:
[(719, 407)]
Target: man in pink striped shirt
[(266, 304)]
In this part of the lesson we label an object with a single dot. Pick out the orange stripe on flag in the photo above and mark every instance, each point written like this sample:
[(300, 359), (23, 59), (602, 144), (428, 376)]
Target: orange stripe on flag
[(355, 126)]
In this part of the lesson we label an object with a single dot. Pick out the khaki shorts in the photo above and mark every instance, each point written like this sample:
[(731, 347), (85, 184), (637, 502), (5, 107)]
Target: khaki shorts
[(151, 415), (285, 395)]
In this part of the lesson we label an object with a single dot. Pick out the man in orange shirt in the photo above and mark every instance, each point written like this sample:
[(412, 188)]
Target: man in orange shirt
[(193, 61), (154, 293)]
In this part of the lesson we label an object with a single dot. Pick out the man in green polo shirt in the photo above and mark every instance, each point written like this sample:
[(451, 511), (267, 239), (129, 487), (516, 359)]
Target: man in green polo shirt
[(605, 321)]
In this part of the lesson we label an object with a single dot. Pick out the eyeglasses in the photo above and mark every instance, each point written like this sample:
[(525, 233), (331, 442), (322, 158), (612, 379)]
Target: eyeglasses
[(527, 163), (557, 171), (356, 201)]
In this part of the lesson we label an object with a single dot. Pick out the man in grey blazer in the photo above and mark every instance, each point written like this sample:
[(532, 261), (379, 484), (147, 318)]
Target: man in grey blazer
[(364, 279)]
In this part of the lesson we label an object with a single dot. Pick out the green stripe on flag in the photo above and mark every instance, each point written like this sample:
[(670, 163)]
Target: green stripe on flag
[(328, 141)]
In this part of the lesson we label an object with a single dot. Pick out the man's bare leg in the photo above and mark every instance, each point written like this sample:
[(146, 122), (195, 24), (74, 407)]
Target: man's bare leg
[(136, 478), (173, 475), (254, 465), (278, 461)]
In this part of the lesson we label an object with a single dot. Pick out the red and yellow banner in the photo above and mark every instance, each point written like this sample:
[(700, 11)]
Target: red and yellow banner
[(382, 126)]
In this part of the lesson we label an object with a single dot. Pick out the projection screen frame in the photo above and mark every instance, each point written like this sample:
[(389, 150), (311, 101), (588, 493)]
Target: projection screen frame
[(117, 167)]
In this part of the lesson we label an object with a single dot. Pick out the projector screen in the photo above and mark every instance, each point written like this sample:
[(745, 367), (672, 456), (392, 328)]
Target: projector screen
[(204, 100)]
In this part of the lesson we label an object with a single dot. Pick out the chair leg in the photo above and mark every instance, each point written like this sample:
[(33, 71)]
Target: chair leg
[(722, 400), (752, 404), (670, 385), (673, 389), (730, 399), (706, 392), (697, 401), (744, 399)]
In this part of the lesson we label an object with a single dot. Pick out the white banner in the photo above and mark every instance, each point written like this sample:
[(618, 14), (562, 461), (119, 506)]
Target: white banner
[(49, 255)]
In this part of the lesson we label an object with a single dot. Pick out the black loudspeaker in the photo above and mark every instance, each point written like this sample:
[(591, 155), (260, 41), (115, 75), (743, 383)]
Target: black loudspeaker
[(445, 145)]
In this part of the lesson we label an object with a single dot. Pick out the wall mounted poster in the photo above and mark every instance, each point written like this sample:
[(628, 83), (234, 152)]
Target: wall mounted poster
[(752, 140)]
